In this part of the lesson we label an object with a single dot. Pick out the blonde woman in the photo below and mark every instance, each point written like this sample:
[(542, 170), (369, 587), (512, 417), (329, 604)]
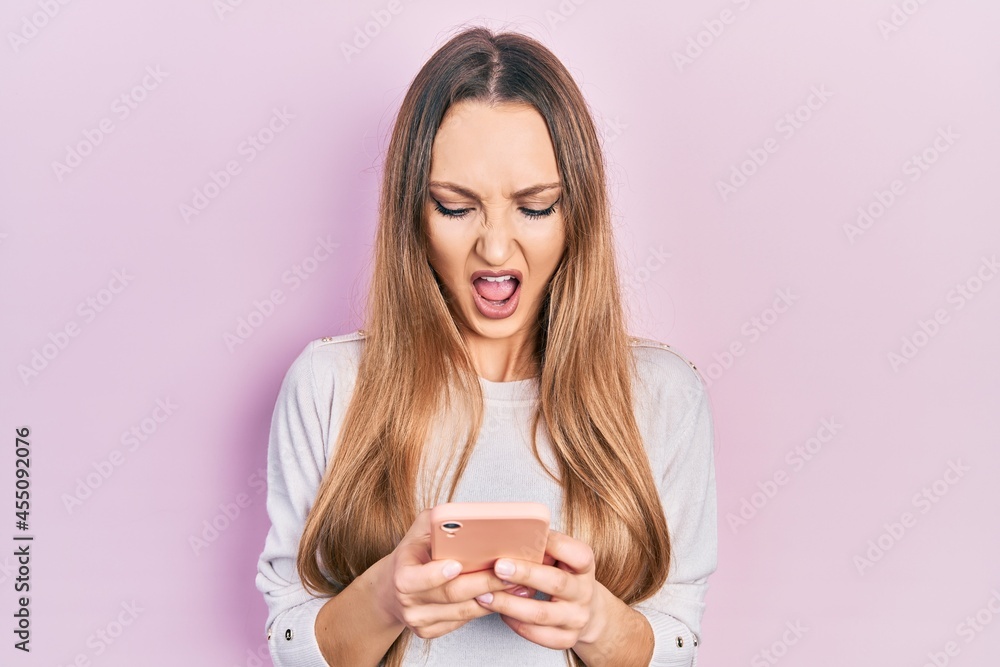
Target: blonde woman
[(493, 364)]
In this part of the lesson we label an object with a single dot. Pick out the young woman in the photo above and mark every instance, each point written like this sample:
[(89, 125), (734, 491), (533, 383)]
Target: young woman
[(493, 362)]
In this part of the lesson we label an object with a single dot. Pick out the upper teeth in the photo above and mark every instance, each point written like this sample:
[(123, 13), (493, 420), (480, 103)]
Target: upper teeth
[(496, 279)]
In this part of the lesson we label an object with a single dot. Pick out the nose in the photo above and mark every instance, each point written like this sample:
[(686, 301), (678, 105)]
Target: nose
[(495, 243)]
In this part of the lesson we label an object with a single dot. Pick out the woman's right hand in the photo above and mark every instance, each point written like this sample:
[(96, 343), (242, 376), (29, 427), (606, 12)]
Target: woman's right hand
[(430, 597)]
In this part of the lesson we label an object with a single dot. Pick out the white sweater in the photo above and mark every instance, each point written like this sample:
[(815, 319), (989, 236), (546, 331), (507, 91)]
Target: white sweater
[(673, 414)]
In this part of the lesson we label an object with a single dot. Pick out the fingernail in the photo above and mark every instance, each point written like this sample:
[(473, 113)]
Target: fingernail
[(452, 569), (521, 591), (485, 598), (504, 568)]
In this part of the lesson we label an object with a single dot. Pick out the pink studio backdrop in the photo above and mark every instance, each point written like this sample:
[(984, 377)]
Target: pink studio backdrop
[(806, 201)]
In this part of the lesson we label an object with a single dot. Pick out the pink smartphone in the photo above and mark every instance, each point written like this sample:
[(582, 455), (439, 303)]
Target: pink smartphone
[(477, 534)]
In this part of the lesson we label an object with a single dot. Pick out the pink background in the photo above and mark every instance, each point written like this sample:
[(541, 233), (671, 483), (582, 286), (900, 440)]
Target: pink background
[(703, 271)]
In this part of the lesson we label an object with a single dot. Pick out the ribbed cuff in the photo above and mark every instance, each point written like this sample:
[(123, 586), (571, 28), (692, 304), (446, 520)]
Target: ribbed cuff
[(292, 638), (674, 643)]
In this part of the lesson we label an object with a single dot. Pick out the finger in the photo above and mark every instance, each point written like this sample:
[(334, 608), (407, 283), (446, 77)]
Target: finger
[(415, 550), (555, 581), (431, 618), (436, 587), (554, 638), (465, 587), (417, 540), (422, 577), (560, 614), (565, 549), (520, 590), (415, 571), (420, 528)]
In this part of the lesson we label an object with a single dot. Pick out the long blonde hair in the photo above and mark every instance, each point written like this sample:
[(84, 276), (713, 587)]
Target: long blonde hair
[(414, 354)]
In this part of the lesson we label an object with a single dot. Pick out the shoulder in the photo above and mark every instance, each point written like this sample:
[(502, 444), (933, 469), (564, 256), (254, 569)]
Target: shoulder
[(326, 362), (345, 346), (659, 362), (666, 382)]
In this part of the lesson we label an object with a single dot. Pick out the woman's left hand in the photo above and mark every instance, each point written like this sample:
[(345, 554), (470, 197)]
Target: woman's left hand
[(575, 611)]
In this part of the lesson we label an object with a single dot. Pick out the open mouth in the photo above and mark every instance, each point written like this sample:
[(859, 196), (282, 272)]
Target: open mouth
[(496, 290), (496, 297)]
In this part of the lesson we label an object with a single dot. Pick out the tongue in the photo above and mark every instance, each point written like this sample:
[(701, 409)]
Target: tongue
[(495, 291)]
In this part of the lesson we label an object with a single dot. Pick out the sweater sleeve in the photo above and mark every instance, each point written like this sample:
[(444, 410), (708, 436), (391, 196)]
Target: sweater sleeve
[(296, 461), (688, 495)]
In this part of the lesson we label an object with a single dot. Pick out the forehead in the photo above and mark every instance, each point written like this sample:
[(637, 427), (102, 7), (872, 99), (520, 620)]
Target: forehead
[(480, 145)]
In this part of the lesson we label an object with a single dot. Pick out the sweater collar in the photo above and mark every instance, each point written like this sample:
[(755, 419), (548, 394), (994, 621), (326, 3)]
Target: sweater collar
[(516, 391)]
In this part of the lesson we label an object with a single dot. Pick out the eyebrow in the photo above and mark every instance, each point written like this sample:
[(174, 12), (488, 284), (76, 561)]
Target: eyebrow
[(524, 192)]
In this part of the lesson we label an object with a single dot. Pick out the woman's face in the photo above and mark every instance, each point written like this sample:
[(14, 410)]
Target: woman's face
[(492, 208)]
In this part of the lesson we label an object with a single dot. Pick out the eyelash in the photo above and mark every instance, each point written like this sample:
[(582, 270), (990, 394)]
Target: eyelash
[(460, 213)]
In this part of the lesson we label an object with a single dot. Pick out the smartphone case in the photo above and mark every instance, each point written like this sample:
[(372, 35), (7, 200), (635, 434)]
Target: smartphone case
[(488, 531)]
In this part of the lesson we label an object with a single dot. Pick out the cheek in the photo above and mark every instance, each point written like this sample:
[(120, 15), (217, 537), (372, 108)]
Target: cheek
[(447, 256), (450, 245), (437, 244), (548, 249)]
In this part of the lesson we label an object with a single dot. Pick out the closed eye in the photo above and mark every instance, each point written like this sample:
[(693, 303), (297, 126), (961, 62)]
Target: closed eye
[(532, 213), (460, 213), (450, 212)]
